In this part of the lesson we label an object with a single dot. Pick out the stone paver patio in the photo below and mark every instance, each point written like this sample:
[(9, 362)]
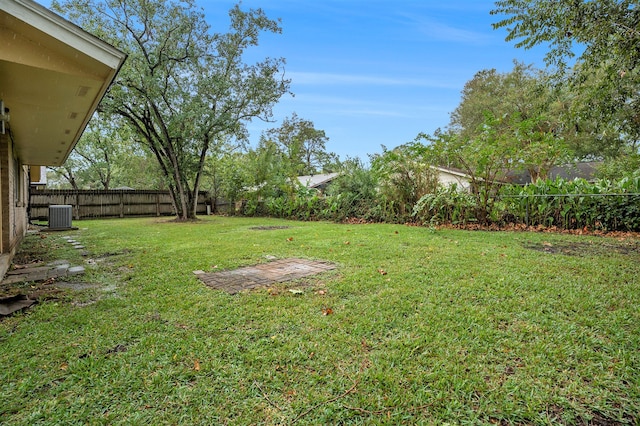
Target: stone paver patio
[(251, 277)]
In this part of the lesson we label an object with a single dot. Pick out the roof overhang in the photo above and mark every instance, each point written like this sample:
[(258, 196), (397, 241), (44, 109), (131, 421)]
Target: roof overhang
[(53, 75)]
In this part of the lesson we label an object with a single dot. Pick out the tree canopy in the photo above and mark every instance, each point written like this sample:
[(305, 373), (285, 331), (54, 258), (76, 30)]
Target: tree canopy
[(184, 90), (594, 47), (303, 146)]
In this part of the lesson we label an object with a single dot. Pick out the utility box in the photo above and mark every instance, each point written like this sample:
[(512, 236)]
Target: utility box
[(60, 216)]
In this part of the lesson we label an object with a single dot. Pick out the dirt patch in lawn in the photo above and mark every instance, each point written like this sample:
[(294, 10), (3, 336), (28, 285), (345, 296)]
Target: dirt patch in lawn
[(591, 248)]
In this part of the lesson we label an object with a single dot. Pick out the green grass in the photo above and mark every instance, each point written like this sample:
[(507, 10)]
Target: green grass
[(464, 328)]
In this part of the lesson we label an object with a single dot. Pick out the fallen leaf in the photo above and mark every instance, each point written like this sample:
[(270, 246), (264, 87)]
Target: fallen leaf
[(321, 292), (196, 365), (64, 366), (382, 272), (327, 311), (290, 239), (347, 243)]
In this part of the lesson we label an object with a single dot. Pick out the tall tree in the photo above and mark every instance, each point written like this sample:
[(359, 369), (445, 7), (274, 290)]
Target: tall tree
[(521, 108), (183, 90), (92, 161), (303, 145), (603, 37)]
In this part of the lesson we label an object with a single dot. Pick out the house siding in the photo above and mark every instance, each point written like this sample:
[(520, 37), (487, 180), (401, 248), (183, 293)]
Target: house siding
[(13, 197)]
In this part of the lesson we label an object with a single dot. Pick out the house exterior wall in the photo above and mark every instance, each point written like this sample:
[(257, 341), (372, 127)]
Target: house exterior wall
[(13, 197), (447, 179)]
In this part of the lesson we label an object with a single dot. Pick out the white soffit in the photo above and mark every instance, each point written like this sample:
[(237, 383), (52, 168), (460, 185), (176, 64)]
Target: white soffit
[(53, 74)]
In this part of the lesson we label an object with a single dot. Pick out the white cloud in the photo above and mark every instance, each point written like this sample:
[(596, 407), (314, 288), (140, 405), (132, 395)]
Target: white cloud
[(444, 32), (332, 79)]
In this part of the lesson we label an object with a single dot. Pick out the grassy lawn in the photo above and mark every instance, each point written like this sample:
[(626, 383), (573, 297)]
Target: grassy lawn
[(416, 326)]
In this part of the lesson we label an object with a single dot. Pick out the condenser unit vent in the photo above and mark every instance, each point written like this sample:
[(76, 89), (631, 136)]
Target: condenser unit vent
[(60, 217)]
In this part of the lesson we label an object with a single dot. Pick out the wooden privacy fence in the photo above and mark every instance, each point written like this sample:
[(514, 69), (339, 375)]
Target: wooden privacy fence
[(112, 203)]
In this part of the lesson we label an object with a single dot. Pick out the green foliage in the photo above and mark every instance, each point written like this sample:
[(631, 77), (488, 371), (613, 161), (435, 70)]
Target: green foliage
[(485, 159), (404, 175), (604, 204), (447, 205), (183, 90), (354, 193), (606, 29), (606, 74), (107, 157), (625, 165), (301, 146)]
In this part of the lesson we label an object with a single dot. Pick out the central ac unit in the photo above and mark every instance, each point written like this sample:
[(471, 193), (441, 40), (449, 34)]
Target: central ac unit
[(60, 216)]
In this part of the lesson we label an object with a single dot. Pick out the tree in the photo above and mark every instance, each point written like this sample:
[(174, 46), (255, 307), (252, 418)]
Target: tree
[(183, 90), (405, 175), (522, 110), (485, 159), (603, 37), (227, 175), (303, 146), (107, 157), (521, 91), (606, 30), (65, 173), (354, 192)]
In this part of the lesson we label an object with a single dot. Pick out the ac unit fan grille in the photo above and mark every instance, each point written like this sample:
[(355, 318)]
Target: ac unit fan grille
[(60, 217)]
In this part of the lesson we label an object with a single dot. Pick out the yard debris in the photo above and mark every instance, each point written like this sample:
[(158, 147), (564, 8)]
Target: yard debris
[(327, 311), (295, 291), (116, 349), (12, 304)]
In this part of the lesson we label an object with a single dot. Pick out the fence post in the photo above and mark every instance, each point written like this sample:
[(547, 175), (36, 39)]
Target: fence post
[(77, 205)]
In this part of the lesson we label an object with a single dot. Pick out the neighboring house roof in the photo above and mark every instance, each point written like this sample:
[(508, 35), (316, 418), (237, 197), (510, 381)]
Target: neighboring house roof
[(53, 74), (584, 170), (452, 171), (316, 181)]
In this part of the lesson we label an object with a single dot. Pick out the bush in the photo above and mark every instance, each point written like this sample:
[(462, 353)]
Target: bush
[(448, 205), (604, 204)]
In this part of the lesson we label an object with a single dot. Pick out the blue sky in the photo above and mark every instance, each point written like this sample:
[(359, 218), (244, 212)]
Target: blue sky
[(376, 72)]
